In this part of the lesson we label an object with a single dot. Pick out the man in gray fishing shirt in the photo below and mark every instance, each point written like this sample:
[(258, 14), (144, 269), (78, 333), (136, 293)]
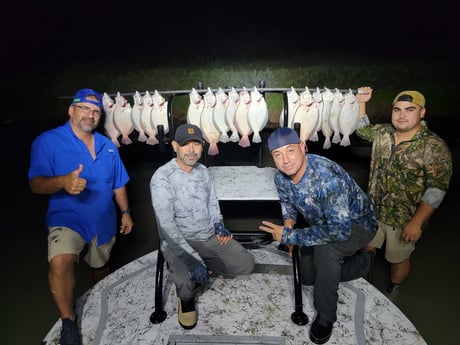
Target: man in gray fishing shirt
[(194, 240)]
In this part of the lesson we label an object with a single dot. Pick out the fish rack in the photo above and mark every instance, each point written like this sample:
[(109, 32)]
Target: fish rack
[(171, 95)]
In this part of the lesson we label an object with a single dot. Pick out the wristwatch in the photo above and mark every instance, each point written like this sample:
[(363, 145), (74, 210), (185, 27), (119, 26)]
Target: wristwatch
[(127, 211)]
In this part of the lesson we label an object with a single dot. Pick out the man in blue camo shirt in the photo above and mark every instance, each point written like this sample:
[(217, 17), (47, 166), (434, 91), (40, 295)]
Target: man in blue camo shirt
[(341, 221)]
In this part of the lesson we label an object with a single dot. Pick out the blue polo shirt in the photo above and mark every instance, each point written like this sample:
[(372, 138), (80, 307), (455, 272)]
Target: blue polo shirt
[(58, 152)]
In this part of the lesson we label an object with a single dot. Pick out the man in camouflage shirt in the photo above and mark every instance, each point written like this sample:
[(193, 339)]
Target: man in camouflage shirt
[(341, 220), (410, 172)]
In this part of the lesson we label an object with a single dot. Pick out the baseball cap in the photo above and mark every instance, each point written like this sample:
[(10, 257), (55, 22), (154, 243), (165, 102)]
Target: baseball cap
[(81, 97), (188, 132), (410, 96), (282, 136)]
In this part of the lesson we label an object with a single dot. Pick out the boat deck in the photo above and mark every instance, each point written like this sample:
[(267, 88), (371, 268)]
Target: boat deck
[(252, 309)]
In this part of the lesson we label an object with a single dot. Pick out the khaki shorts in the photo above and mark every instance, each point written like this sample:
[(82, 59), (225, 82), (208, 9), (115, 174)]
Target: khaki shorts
[(62, 240), (396, 249)]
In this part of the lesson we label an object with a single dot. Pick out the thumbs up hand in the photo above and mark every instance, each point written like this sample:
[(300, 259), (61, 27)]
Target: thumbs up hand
[(73, 184)]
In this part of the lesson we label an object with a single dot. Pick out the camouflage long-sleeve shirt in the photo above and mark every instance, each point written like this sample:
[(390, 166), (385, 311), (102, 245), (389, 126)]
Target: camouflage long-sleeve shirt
[(186, 208), (403, 175), (328, 199)]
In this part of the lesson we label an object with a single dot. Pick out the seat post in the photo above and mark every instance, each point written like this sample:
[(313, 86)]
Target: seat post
[(298, 316), (159, 315)]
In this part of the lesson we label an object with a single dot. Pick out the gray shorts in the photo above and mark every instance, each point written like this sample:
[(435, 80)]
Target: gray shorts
[(62, 240), (396, 249)]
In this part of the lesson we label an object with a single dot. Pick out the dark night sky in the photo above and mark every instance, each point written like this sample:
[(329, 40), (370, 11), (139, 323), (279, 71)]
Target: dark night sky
[(40, 31)]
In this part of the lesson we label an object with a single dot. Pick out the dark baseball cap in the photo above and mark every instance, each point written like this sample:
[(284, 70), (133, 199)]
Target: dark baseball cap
[(281, 137), (188, 132)]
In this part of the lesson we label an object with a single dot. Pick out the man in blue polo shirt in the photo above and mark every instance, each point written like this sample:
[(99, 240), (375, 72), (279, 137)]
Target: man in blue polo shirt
[(81, 171)]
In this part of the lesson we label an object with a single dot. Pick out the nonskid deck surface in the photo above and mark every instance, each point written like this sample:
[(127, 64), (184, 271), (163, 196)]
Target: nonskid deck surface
[(251, 309)]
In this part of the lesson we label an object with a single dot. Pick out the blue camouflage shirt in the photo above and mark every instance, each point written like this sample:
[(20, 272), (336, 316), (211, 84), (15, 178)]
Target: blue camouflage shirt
[(329, 199)]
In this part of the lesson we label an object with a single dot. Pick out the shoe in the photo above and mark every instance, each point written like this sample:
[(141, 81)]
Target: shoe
[(70, 334), (320, 331), (391, 291), (187, 313), (370, 275)]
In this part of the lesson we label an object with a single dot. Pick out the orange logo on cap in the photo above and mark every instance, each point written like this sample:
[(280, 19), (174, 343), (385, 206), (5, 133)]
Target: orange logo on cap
[(191, 130)]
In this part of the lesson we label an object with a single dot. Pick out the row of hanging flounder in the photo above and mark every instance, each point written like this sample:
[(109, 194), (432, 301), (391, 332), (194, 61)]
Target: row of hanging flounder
[(144, 116), (333, 112), (217, 114), (228, 117), (234, 116)]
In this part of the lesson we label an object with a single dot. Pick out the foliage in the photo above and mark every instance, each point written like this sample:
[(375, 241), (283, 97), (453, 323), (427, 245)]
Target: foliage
[(343, 70)]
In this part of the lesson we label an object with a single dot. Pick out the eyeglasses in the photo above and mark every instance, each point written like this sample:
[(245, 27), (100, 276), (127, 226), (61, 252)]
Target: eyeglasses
[(87, 110)]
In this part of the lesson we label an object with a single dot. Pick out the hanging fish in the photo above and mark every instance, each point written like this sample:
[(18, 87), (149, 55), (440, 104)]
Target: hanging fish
[(219, 115), (307, 115), (122, 118), (233, 103), (318, 102), (293, 103), (328, 97), (337, 105), (195, 108), (257, 114), (210, 132), (146, 119), (241, 118), (109, 106), (138, 105), (348, 117), (159, 114)]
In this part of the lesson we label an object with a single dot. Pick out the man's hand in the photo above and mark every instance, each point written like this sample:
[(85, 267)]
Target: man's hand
[(126, 224), (72, 182), (411, 232), (272, 228), (200, 274), (364, 94), (223, 235)]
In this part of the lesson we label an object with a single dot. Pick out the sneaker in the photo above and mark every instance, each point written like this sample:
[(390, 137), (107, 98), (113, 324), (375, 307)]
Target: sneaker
[(391, 291), (320, 331), (70, 334), (187, 314)]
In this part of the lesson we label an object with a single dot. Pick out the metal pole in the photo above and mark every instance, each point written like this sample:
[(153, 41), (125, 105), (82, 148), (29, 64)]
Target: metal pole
[(170, 123), (261, 146), (161, 137), (200, 84), (298, 316), (159, 315), (285, 109)]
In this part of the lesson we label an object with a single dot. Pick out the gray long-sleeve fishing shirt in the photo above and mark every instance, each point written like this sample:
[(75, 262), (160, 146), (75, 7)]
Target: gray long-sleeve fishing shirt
[(186, 208)]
